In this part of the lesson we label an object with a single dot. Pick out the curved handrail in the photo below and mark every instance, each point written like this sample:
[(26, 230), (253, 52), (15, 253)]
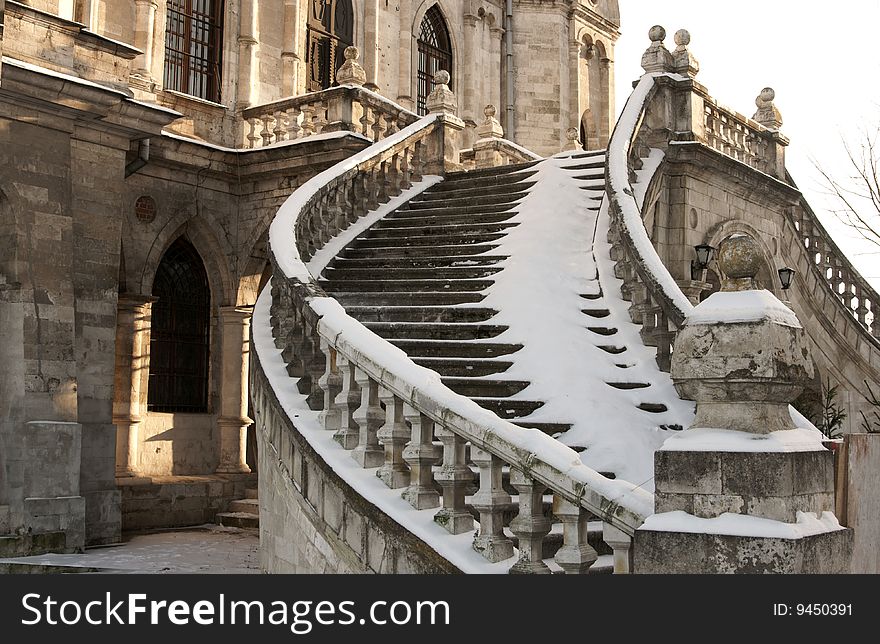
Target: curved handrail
[(296, 233)]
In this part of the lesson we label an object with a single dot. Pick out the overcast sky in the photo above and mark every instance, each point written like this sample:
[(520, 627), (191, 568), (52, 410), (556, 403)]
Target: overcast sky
[(821, 58)]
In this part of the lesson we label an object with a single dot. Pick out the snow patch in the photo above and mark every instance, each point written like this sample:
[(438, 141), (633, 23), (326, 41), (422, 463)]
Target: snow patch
[(741, 525), (724, 440), (730, 307)]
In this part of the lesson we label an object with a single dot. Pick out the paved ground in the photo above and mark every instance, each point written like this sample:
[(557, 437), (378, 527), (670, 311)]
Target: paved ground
[(207, 549)]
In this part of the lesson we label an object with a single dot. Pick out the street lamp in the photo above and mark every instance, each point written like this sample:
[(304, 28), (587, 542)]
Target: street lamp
[(786, 275)]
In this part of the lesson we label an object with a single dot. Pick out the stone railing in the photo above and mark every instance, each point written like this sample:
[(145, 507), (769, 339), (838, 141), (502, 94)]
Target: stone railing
[(491, 148), (347, 108), (743, 139), (398, 417), (850, 289)]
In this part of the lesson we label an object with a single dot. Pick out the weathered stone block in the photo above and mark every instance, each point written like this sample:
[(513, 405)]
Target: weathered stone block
[(333, 507), (688, 472), (354, 530)]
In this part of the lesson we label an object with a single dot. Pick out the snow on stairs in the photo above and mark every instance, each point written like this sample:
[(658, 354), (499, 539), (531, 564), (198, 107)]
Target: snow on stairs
[(417, 276), (242, 513)]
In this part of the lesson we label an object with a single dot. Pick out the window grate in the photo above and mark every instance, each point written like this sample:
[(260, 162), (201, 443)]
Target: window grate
[(194, 47), (435, 53)]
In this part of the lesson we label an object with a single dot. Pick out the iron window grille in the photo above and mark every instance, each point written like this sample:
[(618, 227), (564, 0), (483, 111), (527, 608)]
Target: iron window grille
[(194, 48)]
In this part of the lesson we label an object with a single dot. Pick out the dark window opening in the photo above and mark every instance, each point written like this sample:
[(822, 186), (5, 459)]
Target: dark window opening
[(194, 47), (330, 30), (180, 334), (435, 53)]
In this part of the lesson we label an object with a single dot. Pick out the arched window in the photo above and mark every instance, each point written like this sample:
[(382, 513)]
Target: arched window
[(179, 343), (435, 53), (330, 30), (194, 47)]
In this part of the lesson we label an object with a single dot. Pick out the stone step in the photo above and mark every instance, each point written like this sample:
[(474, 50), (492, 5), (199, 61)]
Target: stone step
[(417, 251), (602, 330), (653, 408), (239, 520), (551, 429), (500, 171), (251, 493), (398, 298), (484, 387), (596, 313), (429, 331), (509, 409), (442, 210), (463, 190), (427, 241), (459, 181), (436, 314), (628, 386), (464, 367), (248, 506), (416, 262), (404, 286), (613, 350), (590, 165), (443, 220), (457, 273), (586, 154), (454, 349), (466, 229), (466, 202)]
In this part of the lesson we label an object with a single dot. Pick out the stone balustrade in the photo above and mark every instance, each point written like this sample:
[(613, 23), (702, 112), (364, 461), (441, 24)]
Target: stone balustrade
[(740, 138), (491, 148), (398, 418)]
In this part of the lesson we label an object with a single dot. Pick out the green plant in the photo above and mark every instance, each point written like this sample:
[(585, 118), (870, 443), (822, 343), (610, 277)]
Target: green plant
[(831, 415), (871, 421)]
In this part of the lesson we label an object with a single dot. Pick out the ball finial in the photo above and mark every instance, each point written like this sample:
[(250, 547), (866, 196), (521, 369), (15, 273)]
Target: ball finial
[(352, 53), (739, 257), (682, 38), (768, 94), (657, 34), (489, 111), (442, 77)]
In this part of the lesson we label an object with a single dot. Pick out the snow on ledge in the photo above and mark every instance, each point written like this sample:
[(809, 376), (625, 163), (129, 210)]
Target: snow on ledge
[(741, 525), (730, 307), (725, 440)]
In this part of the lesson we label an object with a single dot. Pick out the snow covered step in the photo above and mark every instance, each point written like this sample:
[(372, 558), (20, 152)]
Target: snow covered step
[(426, 331), (464, 367), (431, 241), (466, 202), (625, 386), (454, 273), (397, 298), (441, 210), (465, 189), (653, 408), (507, 408), (416, 251), (419, 314), (588, 154), (400, 286), (440, 220), (599, 314), (602, 330), (501, 171), (454, 349), (416, 262), (427, 230), (613, 350), (551, 429), (458, 180), (484, 387), (594, 165)]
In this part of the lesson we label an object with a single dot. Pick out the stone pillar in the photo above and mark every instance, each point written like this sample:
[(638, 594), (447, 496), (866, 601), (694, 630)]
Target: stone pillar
[(248, 48), (233, 421), (290, 49), (144, 31), (770, 117), (469, 76), (443, 154), (132, 366), (495, 65), (405, 54), (657, 58), (371, 44), (743, 479), (486, 153)]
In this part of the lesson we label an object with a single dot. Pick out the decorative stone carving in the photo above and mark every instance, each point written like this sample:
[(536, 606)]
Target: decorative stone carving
[(351, 72), (573, 137), (657, 58), (442, 100), (491, 128), (684, 61), (767, 115)]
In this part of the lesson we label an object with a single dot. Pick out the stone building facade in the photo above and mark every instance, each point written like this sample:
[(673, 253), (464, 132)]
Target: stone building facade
[(124, 155)]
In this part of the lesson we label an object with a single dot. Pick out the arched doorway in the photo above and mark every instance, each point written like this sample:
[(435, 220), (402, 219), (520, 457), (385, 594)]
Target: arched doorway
[(330, 30), (435, 53), (180, 334)]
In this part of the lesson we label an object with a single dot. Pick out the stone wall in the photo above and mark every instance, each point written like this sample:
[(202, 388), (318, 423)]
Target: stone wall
[(311, 521), (858, 479)]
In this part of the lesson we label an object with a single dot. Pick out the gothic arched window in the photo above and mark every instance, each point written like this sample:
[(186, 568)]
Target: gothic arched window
[(179, 344), (435, 53), (194, 47), (330, 30)]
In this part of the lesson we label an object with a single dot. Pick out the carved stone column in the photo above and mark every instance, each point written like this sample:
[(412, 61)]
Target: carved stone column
[(405, 52), (233, 421), (371, 44), (132, 368), (248, 48), (290, 50), (144, 32)]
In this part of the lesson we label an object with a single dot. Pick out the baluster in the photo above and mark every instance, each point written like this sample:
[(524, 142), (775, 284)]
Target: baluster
[(421, 454), (280, 130), (393, 436), (394, 188), (308, 126), (384, 183), (576, 554), (361, 194), (621, 545), (405, 174), (369, 417), (294, 129), (417, 161), (331, 385), (393, 125), (530, 526), (320, 117), (861, 309), (373, 187), (346, 403), (367, 121), (349, 198), (379, 127), (252, 136), (268, 119), (491, 501), (313, 361), (454, 477)]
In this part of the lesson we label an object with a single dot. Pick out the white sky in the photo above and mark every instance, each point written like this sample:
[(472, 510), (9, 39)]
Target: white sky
[(820, 57)]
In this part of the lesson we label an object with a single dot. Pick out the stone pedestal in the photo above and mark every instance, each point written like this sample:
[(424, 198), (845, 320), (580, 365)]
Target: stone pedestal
[(233, 421)]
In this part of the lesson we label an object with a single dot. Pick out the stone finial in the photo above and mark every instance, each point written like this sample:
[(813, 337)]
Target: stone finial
[(767, 114), (442, 99), (742, 354), (684, 62), (490, 128), (351, 72), (573, 136), (657, 58)]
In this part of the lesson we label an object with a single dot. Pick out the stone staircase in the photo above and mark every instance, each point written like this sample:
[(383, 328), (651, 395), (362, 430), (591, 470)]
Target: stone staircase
[(242, 513), (417, 277)]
